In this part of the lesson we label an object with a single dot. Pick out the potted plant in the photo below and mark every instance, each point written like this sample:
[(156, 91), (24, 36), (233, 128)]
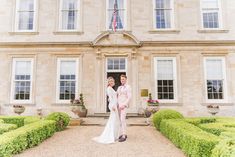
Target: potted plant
[(213, 109), (83, 111), (78, 107), (18, 109), (152, 105)]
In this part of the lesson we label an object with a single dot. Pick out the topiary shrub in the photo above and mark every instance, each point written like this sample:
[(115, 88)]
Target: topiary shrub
[(62, 120), (165, 114)]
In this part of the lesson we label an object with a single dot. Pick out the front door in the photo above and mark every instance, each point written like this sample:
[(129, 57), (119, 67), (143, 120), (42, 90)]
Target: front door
[(116, 66)]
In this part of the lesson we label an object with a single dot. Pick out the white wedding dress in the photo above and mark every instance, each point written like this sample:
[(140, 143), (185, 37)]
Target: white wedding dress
[(111, 130)]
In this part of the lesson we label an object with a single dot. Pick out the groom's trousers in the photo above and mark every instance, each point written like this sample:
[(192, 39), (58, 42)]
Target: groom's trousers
[(122, 114)]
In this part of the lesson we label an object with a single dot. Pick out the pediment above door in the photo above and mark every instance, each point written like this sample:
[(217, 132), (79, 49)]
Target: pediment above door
[(120, 39)]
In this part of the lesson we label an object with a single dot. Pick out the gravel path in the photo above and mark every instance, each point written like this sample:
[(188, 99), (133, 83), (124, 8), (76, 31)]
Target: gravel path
[(143, 141)]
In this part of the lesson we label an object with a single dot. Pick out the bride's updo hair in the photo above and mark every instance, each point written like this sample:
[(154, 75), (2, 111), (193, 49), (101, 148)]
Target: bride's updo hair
[(110, 78)]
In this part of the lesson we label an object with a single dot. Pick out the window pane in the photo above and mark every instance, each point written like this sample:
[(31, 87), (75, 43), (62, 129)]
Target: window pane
[(70, 4), (69, 14), (163, 13), (26, 5), (165, 76), (165, 90), (120, 4), (68, 68), (69, 20), (210, 4), (26, 15), (165, 69), (26, 20), (161, 4), (215, 89), (211, 20), (116, 64), (119, 19), (214, 69), (67, 80)]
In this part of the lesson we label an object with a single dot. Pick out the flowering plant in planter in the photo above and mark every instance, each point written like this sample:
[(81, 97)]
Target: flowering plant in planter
[(18, 106), (78, 107), (151, 101), (212, 106)]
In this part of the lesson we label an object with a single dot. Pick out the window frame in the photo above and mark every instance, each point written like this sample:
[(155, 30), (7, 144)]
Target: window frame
[(16, 29), (225, 99), (116, 70), (107, 16), (175, 80), (12, 97), (78, 24), (77, 71), (220, 22), (172, 16)]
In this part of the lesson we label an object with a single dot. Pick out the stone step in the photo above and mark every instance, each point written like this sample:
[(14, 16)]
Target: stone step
[(129, 115), (101, 121)]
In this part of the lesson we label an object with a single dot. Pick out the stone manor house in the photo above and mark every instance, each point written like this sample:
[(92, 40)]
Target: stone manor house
[(180, 51)]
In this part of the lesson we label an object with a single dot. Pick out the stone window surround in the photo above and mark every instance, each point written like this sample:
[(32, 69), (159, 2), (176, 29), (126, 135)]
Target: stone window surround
[(12, 100), (15, 20), (174, 101), (78, 84), (220, 21), (172, 29), (225, 100), (60, 31)]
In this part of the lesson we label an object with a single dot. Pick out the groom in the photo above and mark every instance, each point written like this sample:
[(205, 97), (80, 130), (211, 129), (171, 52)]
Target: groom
[(124, 97)]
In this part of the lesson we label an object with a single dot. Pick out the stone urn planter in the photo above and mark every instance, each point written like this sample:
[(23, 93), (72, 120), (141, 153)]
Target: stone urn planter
[(39, 112), (18, 109), (213, 109), (153, 108), (77, 107)]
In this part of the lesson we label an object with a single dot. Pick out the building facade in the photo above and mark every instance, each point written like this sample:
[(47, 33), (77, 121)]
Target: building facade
[(180, 51)]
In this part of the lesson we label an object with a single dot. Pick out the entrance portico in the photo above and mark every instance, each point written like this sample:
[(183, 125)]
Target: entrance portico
[(116, 55)]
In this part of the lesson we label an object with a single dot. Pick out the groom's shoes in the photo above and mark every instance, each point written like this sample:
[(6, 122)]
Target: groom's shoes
[(122, 138)]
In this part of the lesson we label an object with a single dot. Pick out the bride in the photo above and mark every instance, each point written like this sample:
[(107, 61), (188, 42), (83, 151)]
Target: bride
[(111, 130)]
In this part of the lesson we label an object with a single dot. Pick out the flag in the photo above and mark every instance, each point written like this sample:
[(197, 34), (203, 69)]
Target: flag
[(116, 20), (114, 24)]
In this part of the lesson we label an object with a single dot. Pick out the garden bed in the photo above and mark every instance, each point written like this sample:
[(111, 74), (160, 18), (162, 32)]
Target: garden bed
[(199, 137)]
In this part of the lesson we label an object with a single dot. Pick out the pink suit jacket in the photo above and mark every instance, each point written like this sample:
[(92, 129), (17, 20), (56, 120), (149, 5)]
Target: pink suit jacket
[(124, 95)]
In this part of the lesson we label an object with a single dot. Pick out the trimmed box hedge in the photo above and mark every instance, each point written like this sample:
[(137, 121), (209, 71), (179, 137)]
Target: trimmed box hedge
[(25, 137), (19, 121), (192, 140), (6, 127), (201, 120), (31, 119), (217, 128), (61, 119), (165, 114), (226, 148)]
